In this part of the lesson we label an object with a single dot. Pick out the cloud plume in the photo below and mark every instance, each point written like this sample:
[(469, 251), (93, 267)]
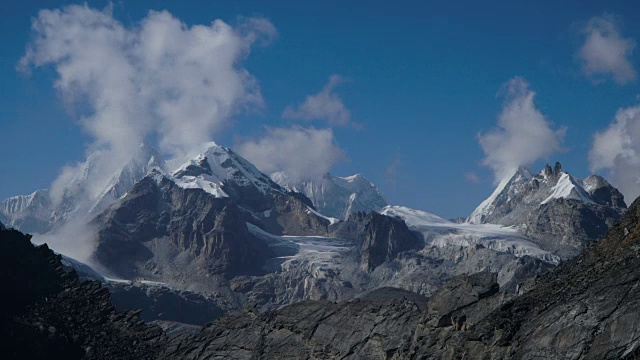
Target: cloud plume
[(616, 150), (523, 134), (325, 105), (302, 153), (158, 81), (606, 52)]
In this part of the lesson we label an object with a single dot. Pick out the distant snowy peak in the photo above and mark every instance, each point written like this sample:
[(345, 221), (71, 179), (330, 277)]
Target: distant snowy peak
[(526, 191), (141, 163), (29, 213), (218, 167), (335, 196), (20, 203)]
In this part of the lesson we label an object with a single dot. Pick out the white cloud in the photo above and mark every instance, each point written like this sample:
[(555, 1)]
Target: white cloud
[(158, 79), (302, 153), (616, 150), (523, 134), (325, 105), (606, 52)]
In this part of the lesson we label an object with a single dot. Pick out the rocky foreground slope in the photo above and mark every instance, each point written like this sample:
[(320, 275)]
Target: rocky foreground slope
[(49, 313)]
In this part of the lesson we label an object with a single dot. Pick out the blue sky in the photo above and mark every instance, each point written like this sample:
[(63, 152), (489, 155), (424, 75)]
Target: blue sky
[(420, 82)]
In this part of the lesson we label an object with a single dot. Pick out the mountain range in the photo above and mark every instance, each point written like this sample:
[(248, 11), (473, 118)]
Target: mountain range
[(217, 233)]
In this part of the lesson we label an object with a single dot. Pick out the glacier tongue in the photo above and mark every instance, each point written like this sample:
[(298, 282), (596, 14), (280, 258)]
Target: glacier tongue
[(440, 233)]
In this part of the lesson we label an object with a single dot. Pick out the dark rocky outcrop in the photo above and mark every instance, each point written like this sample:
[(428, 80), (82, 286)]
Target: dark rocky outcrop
[(49, 313), (380, 238), (461, 293)]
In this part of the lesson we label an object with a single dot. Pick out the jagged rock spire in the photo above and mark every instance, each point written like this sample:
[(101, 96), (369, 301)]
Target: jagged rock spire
[(557, 169)]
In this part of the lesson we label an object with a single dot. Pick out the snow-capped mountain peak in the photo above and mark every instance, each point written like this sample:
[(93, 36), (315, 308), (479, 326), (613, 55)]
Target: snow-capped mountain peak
[(549, 204), (218, 165), (524, 189)]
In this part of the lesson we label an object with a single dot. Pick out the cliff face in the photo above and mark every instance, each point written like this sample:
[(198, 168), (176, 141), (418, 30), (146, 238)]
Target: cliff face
[(380, 238)]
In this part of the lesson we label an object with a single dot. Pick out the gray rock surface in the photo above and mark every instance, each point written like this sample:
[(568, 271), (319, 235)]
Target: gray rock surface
[(376, 326), (158, 227)]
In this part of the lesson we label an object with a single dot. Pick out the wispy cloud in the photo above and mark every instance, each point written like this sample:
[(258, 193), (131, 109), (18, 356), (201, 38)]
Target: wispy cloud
[(391, 174), (606, 52), (472, 177), (325, 105), (616, 150), (302, 153), (523, 134)]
